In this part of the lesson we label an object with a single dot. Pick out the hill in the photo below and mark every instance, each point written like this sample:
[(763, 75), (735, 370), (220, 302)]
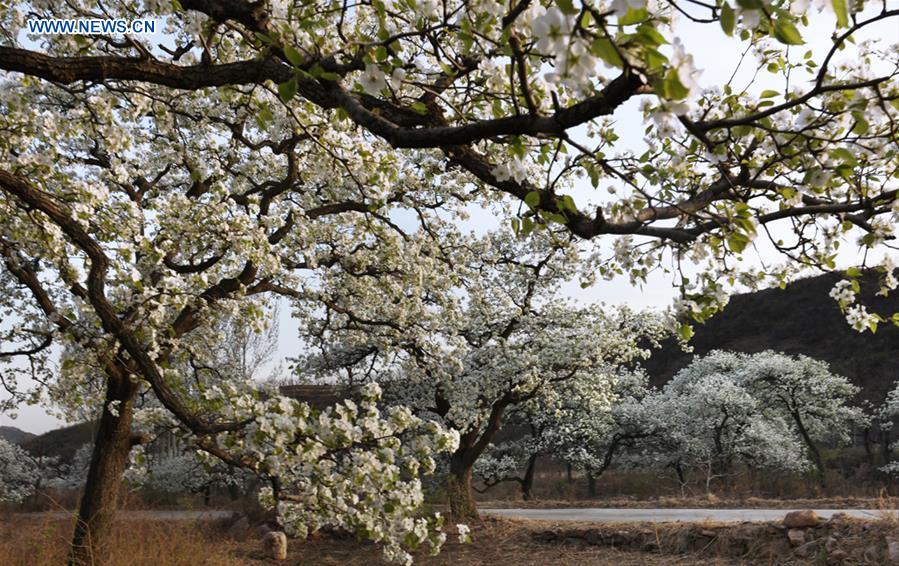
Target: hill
[(14, 435), (800, 319), (62, 442)]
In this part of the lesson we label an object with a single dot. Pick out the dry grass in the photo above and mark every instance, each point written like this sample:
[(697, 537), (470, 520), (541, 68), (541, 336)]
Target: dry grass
[(44, 541)]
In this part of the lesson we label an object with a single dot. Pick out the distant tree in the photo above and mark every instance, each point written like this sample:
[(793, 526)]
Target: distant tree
[(814, 399), (19, 474), (709, 421)]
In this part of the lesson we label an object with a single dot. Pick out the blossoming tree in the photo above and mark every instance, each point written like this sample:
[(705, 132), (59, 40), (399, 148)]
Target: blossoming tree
[(499, 339), (816, 401), (707, 421), (148, 188), (19, 474)]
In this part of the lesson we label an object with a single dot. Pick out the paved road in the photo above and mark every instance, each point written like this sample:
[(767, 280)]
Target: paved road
[(668, 515)]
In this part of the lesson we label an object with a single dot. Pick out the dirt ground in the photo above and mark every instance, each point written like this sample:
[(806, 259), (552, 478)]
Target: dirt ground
[(495, 542)]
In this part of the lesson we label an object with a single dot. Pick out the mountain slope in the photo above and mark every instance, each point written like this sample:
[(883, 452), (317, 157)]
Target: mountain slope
[(14, 435)]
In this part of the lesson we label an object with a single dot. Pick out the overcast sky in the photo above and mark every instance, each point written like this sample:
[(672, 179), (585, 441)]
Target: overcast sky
[(712, 53)]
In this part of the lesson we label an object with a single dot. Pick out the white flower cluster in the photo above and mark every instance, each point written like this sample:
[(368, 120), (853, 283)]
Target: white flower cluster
[(19, 475), (348, 466)]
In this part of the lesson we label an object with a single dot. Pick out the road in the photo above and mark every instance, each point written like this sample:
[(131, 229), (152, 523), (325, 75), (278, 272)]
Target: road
[(670, 515)]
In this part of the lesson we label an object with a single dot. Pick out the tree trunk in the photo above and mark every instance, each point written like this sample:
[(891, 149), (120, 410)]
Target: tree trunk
[(812, 450), (591, 485), (528, 482), (459, 492), (112, 445)]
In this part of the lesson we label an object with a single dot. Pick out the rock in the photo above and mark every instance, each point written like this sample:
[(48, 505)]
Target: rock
[(800, 519), (807, 550), (275, 543), (837, 557), (796, 537), (892, 551), (872, 554)]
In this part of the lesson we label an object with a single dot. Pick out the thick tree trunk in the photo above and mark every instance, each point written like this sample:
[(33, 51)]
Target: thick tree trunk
[(459, 492), (591, 485), (112, 445)]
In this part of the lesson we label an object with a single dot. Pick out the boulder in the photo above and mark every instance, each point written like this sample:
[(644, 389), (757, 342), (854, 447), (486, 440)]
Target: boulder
[(800, 519), (275, 543)]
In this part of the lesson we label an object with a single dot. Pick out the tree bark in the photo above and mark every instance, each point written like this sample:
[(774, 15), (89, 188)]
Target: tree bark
[(112, 445), (460, 494), (591, 485)]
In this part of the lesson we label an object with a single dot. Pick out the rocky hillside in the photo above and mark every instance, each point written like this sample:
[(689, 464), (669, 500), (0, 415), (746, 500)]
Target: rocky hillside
[(799, 319)]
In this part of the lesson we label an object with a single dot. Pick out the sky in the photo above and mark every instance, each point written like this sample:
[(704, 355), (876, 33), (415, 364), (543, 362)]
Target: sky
[(717, 57)]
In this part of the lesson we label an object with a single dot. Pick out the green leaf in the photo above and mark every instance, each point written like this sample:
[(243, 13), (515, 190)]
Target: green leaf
[(294, 56), (567, 6), (786, 32), (419, 107), (532, 199), (844, 155), (263, 38), (769, 94), (633, 17), (727, 19), (685, 331), (604, 49), (264, 117), (854, 272), (287, 90), (839, 7), (672, 88), (737, 242)]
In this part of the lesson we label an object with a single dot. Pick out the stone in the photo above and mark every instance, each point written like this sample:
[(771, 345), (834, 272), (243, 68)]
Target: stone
[(837, 556), (872, 554), (275, 543), (892, 550), (800, 519), (796, 537), (807, 550)]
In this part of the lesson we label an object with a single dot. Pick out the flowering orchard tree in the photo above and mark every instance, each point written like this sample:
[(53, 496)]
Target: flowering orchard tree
[(804, 390), (580, 429), (887, 414), (711, 422), (19, 474), (589, 438), (501, 338), (767, 409)]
